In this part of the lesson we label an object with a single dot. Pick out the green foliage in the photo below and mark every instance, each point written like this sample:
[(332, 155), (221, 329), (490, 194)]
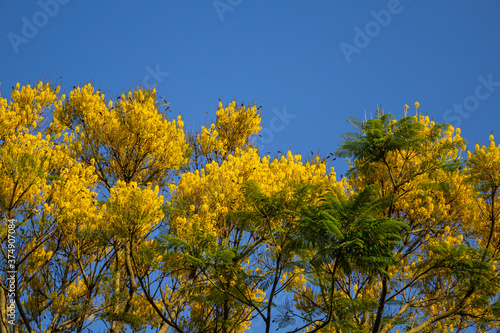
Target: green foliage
[(377, 137), (351, 231)]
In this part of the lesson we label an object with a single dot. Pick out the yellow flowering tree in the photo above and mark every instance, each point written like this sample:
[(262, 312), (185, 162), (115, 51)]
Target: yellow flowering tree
[(112, 214), (48, 209), (129, 140), (223, 261), (134, 150), (442, 278), (234, 126)]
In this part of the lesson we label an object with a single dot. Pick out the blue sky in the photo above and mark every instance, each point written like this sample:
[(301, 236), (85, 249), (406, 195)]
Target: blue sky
[(309, 64)]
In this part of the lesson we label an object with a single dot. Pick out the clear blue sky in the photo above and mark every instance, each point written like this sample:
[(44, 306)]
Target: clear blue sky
[(317, 61), (305, 59)]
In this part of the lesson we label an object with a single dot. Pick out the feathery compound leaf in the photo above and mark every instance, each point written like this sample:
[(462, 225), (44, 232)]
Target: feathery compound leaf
[(358, 124)]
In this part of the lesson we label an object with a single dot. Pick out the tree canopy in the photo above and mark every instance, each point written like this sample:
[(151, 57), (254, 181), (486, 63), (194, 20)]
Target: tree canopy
[(113, 213)]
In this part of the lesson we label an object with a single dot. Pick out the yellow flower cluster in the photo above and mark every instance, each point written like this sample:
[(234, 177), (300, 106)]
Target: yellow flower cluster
[(25, 111), (23, 169), (74, 202), (26, 156), (133, 211), (306, 299), (232, 129), (77, 289), (295, 281), (137, 142), (406, 107), (486, 167), (484, 170), (40, 255), (73, 293), (143, 310), (218, 190)]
